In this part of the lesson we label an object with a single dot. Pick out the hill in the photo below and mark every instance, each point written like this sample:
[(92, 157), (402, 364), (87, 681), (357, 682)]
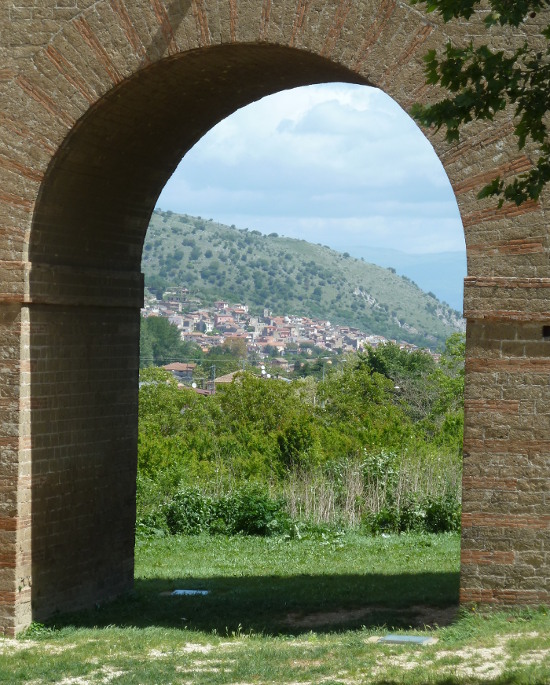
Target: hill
[(290, 276), (442, 273)]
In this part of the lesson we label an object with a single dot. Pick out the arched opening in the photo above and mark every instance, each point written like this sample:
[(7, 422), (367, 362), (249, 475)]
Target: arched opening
[(338, 164), (195, 229)]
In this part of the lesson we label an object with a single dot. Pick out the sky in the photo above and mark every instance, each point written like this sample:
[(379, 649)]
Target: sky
[(337, 164)]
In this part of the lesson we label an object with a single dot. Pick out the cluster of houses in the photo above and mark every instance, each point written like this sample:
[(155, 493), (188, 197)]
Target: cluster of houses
[(276, 336)]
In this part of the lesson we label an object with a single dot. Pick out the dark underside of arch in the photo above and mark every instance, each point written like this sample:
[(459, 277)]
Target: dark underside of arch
[(101, 187)]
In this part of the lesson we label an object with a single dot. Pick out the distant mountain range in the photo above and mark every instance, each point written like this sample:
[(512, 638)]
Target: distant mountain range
[(290, 276)]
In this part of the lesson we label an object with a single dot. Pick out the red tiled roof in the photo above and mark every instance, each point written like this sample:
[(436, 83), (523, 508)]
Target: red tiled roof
[(179, 366)]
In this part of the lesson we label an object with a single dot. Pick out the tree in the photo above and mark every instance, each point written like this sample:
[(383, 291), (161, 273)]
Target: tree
[(160, 343), (226, 358), (146, 357), (482, 82), (271, 351), (411, 374), (156, 285), (357, 403), (176, 429), (272, 420), (236, 346)]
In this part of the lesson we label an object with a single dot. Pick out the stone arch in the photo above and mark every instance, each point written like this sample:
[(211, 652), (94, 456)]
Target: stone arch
[(103, 99)]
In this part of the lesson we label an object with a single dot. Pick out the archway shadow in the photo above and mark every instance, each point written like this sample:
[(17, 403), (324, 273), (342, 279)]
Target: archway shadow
[(276, 605)]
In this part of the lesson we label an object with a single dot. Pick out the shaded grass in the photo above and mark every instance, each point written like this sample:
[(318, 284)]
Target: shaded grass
[(237, 634), (255, 583)]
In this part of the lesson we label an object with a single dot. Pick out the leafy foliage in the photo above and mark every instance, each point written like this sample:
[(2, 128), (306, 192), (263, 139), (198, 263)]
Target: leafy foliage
[(429, 394), (160, 343), (483, 81), (350, 445), (247, 510), (427, 515), (227, 357)]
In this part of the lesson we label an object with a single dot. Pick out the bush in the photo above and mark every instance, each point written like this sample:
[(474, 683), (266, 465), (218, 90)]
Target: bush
[(296, 442), (152, 525), (151, 520), (442, 514), (412, 516), (385, 521), (247, 511), (429, 515), (251, 511), (189, 512)]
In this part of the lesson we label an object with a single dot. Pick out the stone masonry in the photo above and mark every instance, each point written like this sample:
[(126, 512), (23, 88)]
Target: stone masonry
[(100, 100)]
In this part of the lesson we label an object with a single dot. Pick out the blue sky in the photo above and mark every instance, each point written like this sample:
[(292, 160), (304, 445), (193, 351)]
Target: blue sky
[(338, 164)]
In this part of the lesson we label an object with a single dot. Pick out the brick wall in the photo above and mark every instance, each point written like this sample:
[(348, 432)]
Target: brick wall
[(506, 519), (83, 433)]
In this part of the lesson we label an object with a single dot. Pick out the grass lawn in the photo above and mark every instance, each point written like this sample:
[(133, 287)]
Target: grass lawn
[(286, 611)]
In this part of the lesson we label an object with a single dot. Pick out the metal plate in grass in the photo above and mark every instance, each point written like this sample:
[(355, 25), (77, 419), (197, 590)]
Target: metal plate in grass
[(406, 640), (185, 593)]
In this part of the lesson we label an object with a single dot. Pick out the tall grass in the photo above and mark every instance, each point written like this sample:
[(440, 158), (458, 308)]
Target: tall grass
[(344, 491), (382, 490)]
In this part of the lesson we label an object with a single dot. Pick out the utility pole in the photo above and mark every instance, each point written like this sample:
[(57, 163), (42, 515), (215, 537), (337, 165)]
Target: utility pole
[(213, 381)]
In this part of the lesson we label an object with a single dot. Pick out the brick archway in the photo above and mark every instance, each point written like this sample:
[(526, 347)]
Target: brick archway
[(101, 102)]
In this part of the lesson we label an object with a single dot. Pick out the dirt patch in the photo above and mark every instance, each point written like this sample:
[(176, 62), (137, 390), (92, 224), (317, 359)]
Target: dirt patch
[(192, 648), (418, 616), (481, 663), (8, 645), (428, 616), (105, 675)]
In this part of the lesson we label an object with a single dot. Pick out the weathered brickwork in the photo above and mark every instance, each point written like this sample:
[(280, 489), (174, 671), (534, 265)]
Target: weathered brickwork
[(100, 100)]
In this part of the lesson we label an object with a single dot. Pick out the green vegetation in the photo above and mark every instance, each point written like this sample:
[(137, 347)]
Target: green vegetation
[(225, 358), (289, 276), (160, 343), (484, 80), (286, 611), (376, 445)]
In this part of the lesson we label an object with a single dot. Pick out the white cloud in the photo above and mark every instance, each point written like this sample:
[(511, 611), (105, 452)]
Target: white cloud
[(335, 164)]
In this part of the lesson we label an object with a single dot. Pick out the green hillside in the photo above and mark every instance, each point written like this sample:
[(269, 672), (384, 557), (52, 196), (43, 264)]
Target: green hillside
[(290, 276)]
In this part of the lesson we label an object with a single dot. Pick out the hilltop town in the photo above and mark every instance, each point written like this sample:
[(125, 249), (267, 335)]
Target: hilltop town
[(272, 335)]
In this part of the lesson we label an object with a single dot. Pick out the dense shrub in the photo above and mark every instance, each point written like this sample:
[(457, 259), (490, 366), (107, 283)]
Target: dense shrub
[(442, 514), (246, 510), (430, 515), (251, 511), (189, 512), (351, 450)]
